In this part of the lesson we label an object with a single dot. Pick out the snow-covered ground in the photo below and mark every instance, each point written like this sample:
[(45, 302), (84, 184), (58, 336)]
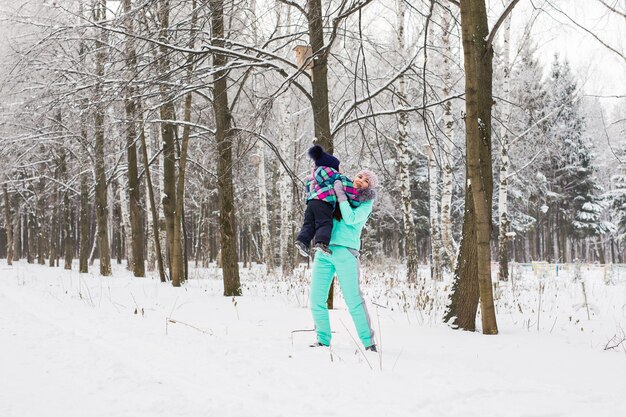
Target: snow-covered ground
[(81, 345)]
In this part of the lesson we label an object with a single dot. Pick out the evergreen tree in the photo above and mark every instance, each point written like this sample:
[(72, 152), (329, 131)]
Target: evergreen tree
[(573, 198)]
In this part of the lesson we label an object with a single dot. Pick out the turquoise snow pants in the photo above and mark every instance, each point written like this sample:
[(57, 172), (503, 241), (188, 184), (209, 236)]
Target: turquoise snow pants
[(346, 265)]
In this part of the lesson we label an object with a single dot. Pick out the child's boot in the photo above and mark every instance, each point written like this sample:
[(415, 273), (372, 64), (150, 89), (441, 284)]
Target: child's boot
[(323, 247), (302, 248)]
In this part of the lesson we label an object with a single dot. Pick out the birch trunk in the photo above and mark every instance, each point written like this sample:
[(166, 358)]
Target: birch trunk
[(267, 254), (161, 210), (503, 215), (404, 158), (67, 216), (447, 154), (54, 227), (149, 202), (284, 193), (266, 240), (435, 233), (41, 207), (126, 232)]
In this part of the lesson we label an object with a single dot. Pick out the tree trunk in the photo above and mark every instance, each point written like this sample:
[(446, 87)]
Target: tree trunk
[(321, 115), (151, 200), (478, 102), (125, 227), (461, 312), (83, 255), (267, 254), (7, 224), (435, 233), (32, 238), (503, 215), (478, 95), (224, 139), (17, 234), (404, 159), (168, 134), (67, 218), (284, 192), (84, 210), (41, 241), (319, 87), (134, 190), (179, 219), (54, 227), (447, 157), (102, 207)]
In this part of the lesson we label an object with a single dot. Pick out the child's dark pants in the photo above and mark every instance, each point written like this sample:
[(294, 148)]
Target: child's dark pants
[(318, 222)]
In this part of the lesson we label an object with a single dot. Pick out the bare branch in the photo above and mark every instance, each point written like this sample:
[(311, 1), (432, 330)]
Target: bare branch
[(499, 22), (613, 9), (400, 110), (294, 4), (596, 37)]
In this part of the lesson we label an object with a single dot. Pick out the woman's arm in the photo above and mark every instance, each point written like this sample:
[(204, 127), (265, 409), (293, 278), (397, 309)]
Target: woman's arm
[(353, 215)]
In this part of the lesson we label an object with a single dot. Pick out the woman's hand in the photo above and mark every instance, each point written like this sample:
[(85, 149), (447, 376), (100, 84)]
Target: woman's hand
[(339, 192)]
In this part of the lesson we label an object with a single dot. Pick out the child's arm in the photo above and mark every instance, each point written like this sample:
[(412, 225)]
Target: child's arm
[(348, 187), (351, 215), (307, 185)]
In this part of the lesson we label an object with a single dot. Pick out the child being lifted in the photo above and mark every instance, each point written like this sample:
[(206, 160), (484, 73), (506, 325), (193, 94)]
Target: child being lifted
[(321, 201)]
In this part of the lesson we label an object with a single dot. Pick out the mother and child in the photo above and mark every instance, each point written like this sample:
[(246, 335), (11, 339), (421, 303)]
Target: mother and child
[(337, 209)]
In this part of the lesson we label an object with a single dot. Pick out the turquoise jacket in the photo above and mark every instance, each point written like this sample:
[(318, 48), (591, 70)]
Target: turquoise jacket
[(347, 231)]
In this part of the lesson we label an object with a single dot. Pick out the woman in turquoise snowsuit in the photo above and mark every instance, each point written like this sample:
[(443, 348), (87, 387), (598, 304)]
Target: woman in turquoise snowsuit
[(345, 242)]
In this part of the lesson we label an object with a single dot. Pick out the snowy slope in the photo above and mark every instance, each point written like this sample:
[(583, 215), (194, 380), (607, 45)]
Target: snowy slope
[(72, 345)]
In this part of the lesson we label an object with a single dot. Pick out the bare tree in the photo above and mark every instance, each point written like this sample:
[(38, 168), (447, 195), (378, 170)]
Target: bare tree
[(134, 191), (102, 208), (224, 136), (8, 224), (474, 263), (404, 157), (503, 215)]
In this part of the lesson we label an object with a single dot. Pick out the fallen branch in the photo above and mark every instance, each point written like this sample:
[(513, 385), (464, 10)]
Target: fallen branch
[(616, 341)]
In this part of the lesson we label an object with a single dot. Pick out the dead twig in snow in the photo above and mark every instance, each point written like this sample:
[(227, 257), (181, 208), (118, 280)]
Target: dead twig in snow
[(171, 320), (617, 341), (357, 345)]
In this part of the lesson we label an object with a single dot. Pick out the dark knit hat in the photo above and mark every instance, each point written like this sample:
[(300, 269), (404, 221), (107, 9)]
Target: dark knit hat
[(323, 159)]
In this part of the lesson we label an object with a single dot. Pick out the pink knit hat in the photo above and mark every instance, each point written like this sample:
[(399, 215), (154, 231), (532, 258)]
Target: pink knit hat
[(372, 179)]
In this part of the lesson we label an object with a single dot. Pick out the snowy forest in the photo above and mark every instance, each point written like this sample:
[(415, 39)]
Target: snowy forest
[(160, 133), (109, 128), (153, 161)]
